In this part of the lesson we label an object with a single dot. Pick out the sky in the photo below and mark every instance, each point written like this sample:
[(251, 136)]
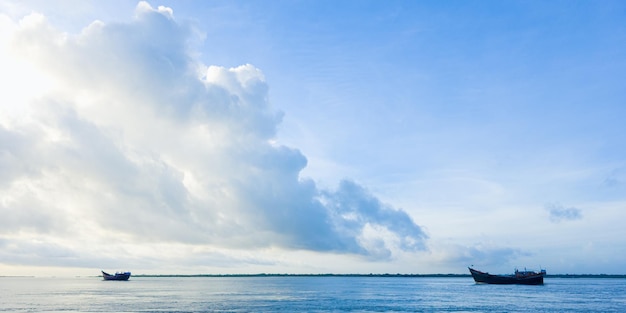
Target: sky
[(223, 137)]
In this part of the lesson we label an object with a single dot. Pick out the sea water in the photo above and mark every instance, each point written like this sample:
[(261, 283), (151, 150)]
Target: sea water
[(308, 294)]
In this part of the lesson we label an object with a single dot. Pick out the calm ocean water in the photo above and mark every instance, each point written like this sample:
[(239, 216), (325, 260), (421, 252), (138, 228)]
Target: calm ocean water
[(307, 294)]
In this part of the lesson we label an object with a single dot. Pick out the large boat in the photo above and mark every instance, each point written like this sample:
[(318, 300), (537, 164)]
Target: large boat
[(520, 277), (117, 276)]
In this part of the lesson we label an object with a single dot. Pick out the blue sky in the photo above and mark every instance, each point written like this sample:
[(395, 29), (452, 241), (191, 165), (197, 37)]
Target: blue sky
[(312, 136)]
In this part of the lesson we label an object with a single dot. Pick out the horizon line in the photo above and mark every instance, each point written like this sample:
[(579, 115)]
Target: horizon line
[(432, 275)]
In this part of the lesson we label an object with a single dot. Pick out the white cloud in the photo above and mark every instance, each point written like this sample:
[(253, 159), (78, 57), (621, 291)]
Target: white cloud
[(131, 147), (560, 213)]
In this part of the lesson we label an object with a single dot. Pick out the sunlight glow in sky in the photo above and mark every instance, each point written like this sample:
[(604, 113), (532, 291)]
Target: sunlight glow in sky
[(312, 136)]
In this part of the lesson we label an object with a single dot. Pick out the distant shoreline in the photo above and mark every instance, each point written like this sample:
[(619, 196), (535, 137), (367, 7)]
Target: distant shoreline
[(335, 275), (372, 275)]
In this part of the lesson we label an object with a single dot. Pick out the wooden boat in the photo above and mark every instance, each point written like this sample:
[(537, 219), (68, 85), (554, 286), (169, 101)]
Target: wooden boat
[(520, 277), (117, 276)]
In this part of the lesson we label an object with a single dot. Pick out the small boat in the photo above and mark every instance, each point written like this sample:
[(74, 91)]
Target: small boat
[(117, 276), (520, 277)]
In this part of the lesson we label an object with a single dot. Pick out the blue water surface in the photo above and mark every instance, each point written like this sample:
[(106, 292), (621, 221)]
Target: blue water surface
[(307, 294)]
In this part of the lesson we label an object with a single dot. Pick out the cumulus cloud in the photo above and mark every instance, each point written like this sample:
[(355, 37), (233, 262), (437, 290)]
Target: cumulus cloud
[(133, 140), (559, 213)]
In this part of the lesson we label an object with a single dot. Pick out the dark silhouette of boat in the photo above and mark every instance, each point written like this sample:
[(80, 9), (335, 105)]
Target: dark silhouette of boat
[(117, 276), (520, 277)]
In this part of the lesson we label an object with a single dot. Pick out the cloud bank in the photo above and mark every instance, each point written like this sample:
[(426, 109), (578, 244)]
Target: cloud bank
[(120, 135)]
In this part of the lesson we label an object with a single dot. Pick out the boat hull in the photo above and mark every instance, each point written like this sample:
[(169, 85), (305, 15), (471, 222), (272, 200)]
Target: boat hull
[(486, 278), (117, 276)]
